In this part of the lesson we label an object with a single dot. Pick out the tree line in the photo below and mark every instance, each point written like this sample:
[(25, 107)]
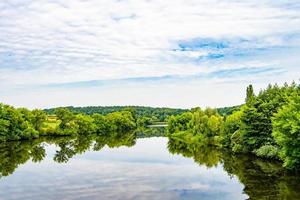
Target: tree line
[(147, 113), (267, 125), (21, 123)]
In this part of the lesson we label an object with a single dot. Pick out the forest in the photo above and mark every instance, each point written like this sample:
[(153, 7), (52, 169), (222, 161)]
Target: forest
[(267, 125), (148, 113)]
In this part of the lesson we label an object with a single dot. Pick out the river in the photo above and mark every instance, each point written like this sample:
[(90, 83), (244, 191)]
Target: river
[(129, 168)]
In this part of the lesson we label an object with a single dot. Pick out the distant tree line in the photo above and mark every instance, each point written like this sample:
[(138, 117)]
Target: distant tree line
[(148, 113), (267, 125), (225, 111)]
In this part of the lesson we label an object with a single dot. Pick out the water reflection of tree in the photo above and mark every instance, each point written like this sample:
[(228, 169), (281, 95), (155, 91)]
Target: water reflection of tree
[(14, 154), (202, 154), (262, 180), (144, 132)]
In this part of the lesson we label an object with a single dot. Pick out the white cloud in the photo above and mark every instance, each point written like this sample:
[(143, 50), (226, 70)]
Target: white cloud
[(48, 42)]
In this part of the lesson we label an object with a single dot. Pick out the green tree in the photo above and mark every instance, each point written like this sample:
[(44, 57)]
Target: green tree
[(13, 125), (65, 116), (250, 96), (144, 121), (231, 124), (286, 124), (26, 114), (67, 124), (101, 124), (85, 124), (256, 127), (206, 123), (38, 118), (121, 121), (179, 122)]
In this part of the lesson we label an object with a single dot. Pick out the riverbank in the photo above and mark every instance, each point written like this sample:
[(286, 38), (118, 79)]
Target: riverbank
[(267, 125)]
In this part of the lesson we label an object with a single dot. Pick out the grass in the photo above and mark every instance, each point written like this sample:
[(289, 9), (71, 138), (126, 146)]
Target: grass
[(51, 123)]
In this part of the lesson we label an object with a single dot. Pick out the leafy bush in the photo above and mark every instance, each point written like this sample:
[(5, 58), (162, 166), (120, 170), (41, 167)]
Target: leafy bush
[(231, 124), (286, 125), (267, 151)]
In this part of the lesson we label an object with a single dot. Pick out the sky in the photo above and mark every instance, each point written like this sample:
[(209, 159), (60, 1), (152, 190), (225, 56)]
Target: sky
[(179, 53)]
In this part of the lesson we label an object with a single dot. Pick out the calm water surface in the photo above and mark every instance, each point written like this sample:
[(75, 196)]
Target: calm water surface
[(148, 168)]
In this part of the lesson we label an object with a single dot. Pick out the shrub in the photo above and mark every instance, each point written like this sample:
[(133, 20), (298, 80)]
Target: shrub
[(267, 151)]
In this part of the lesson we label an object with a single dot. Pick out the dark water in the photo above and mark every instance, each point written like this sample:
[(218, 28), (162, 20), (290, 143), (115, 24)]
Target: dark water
[(123, 167)]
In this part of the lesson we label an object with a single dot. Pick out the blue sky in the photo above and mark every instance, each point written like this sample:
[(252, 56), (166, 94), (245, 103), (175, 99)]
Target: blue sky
[(144, 52)]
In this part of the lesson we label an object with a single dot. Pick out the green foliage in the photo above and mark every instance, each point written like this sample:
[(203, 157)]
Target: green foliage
[(38, 119), (206, 123), (267, 151), (230, 127), (251, 129), (225, 111), (266, 124), (198, 124), (250, 96), (121, 121), (286, 124), (71, 124), (21, 123), (65, 116), (101, 124), (27, 115), (145, 121), (159, 114), (14, 124), (179, 122), (85, 124), (256, 120), (67, 125)]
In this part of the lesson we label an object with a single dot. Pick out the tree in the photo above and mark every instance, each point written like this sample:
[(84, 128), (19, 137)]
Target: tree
[(85, 124), (13, 125), (179, 122), (206, 123), (286, 124), (250, 96), (38, 118), (256, 127), (144, 121), (101, 124), (65, 116), (67, 124), (231, 124), (27, 115), (121, 121)]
